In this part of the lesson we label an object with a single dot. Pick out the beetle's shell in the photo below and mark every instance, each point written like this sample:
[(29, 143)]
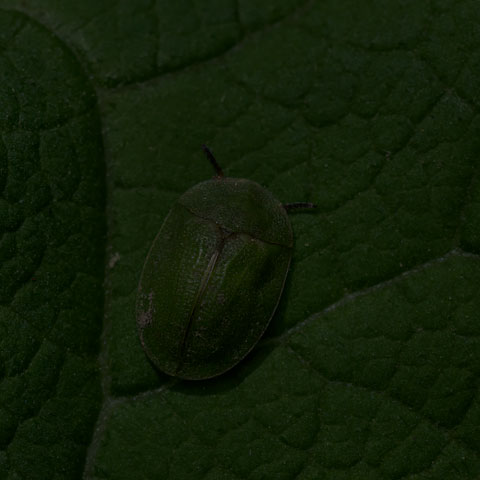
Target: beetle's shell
[(213, 277)]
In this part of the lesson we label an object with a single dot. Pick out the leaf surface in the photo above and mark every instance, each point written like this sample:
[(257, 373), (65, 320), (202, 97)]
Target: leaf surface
[(370, 366)]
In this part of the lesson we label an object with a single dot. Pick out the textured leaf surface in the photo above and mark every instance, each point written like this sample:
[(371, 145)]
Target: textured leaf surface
[(51, 254), (370, 367)]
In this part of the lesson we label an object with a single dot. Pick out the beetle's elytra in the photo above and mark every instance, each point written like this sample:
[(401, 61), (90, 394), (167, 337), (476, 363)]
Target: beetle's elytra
[(213, 277)]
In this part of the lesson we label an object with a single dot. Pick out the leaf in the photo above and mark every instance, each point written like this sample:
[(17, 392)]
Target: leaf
[(51, 254), (370, 366)]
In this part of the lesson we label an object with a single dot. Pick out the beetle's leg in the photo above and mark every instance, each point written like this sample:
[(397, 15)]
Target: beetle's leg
[(293, 206), (210, 156)]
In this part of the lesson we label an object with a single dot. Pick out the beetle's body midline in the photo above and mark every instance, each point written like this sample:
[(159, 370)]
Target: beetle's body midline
[(197, 302)]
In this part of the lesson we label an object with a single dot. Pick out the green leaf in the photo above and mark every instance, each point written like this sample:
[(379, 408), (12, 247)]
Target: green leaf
[(370, 367), (51, 254)]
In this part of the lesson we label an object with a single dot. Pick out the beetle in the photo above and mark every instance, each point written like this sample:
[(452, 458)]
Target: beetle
[(214, 275)]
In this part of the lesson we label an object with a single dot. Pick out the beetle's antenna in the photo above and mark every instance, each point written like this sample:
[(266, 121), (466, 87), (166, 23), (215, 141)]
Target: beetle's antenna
[(293, 206), (210, 156)]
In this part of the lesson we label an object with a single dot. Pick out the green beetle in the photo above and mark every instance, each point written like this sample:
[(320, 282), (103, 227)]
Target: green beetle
[(214, 276)]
